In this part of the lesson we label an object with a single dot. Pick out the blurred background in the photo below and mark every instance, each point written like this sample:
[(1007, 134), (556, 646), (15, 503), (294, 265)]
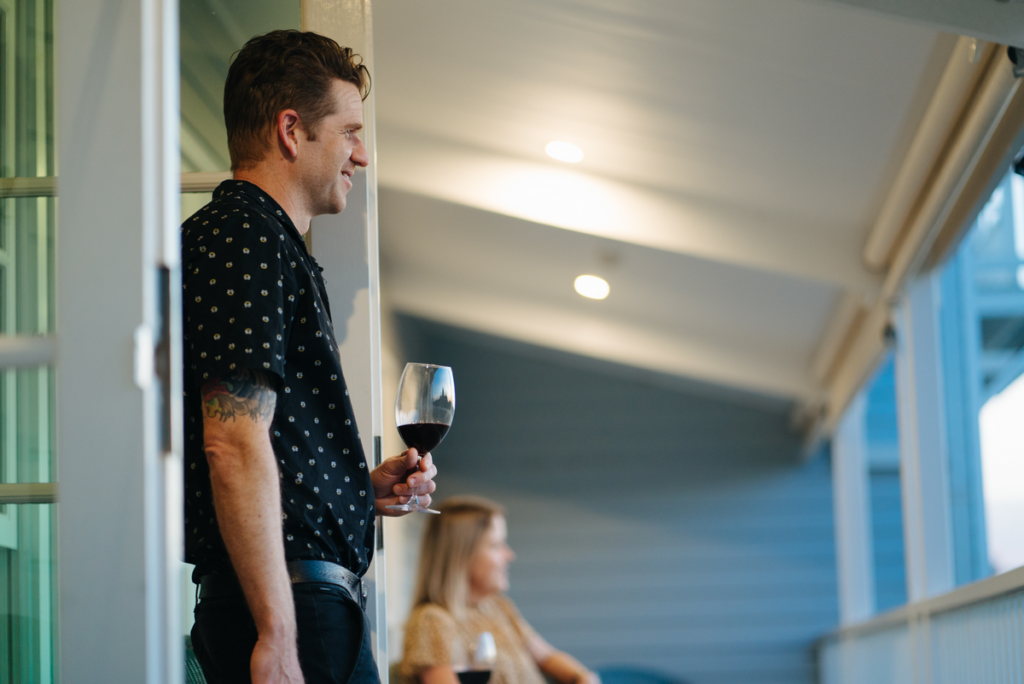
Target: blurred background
[(796, 410)]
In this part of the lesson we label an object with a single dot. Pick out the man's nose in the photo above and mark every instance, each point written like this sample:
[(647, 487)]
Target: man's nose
[(360, 157)]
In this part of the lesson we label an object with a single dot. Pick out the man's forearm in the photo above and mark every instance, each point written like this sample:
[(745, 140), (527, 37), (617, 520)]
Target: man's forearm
[(246, 494), (246, 497)]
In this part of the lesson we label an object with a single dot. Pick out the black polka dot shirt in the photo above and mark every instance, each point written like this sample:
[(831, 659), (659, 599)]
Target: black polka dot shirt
[(254, 298)]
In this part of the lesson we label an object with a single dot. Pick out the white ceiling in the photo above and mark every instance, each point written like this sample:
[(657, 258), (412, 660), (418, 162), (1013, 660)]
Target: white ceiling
[(667, 312), (737, 152)]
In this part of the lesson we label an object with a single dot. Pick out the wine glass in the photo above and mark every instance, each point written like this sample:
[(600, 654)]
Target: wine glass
[(485, 653), (481, 663), (424, 409)]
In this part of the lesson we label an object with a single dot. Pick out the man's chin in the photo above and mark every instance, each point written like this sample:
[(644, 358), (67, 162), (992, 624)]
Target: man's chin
[(334, 206), (340, 202)]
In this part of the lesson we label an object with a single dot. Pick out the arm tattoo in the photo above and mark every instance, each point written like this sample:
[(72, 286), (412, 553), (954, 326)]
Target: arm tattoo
[(242, 393)]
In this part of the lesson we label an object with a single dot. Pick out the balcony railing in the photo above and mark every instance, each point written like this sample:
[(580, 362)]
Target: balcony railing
[(972, 635)]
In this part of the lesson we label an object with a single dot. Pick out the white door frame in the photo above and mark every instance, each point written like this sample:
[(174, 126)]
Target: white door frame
[(120, 479)]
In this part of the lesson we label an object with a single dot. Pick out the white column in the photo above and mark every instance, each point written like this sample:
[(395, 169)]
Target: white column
[(850, 492), (346, 246), (927, 529), (120, 485)]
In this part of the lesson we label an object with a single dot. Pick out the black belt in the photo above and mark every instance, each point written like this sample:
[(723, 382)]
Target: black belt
[(300, 572)]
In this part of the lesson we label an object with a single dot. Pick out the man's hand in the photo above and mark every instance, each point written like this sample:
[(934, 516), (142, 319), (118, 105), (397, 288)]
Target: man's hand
[(275, 661), (399, 478)]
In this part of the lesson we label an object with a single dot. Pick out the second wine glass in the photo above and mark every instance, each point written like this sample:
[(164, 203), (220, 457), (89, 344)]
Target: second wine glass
[(424, 409)]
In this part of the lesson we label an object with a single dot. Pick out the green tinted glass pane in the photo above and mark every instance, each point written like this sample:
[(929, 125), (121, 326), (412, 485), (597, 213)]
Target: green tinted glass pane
[(3, 291), (28, 591), (27, 296), (26, 69), (27, 303), (211, 32), (28, 648)]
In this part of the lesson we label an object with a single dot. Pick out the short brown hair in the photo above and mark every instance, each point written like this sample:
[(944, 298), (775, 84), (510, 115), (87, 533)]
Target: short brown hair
[(283, 70), (448, 546)]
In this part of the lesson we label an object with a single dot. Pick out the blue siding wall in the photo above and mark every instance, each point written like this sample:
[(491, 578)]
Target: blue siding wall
[(669, 526)]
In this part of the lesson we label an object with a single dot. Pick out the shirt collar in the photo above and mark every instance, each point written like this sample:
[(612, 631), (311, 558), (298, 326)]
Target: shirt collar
[(263, 200)]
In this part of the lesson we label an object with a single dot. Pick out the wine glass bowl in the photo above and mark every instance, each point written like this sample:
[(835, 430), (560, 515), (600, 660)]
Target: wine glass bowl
[(424, 409), (484, 655)]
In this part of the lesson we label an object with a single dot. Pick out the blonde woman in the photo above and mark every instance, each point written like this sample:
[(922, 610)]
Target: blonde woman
[(460, 587)]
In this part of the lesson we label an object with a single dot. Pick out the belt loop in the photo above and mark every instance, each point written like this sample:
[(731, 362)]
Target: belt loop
[(362, 594)]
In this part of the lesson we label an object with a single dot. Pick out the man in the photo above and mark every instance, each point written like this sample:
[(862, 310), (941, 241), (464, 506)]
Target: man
[(280, 503)]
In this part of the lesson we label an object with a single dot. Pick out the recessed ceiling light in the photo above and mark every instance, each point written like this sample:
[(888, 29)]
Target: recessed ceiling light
[(563, 151), (592, 286)]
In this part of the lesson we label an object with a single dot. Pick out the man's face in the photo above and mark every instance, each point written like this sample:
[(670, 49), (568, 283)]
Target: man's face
[(329, 162)]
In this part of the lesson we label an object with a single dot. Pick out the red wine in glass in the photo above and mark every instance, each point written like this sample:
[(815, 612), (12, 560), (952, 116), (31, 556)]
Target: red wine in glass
[(474, 676), (423, 436), (424, 409)]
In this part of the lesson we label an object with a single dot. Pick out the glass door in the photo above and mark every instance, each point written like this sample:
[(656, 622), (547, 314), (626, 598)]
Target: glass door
[(27, 314)]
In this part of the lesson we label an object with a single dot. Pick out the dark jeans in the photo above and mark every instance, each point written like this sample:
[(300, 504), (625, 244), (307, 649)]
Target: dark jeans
[(334, 637)]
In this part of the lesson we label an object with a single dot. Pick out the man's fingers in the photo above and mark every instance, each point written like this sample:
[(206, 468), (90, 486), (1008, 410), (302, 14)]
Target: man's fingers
[(420, 473), (427, 467), (419, 489), (409, 458)]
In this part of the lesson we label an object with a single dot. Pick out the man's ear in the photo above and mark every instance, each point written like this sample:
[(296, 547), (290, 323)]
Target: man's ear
[(288, 126)]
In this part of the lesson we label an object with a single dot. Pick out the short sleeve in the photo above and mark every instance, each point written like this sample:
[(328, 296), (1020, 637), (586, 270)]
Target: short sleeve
[(430, 634), (235, 306)]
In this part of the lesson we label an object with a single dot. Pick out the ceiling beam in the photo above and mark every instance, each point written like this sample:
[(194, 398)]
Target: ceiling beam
[(999, 21), (965, 67), (562, 198)]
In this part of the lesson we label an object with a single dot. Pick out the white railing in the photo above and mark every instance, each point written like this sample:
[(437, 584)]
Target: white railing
[(972, 635)]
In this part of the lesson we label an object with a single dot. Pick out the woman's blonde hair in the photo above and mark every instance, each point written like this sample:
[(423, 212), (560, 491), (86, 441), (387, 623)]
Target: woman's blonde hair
[(449, 543)]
